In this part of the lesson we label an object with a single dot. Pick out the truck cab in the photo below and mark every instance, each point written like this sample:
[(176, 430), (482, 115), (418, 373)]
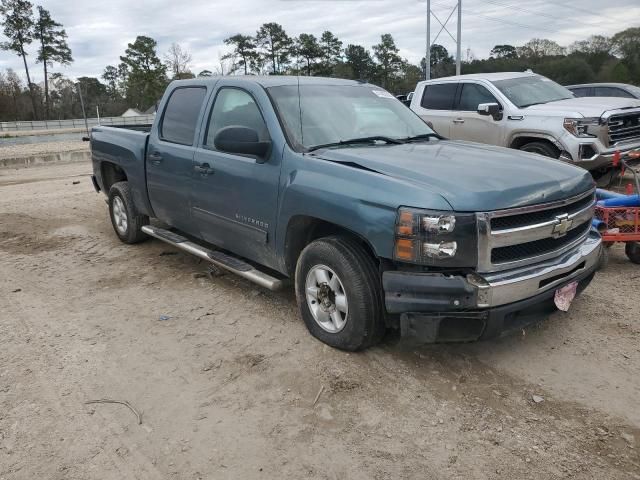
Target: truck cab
[(529, 112), (337, 187)]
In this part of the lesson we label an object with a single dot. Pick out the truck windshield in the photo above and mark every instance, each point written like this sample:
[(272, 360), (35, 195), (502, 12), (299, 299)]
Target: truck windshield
[(335, 114), (534, 90)]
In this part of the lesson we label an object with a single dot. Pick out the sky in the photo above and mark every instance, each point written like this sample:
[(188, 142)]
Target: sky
[(100, 31)]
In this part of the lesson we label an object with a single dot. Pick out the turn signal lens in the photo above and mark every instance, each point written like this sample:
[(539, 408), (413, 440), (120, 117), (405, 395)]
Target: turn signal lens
[(405, 249), (406, 224)]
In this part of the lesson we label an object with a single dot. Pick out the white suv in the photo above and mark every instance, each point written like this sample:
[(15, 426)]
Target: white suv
[(532, 113)]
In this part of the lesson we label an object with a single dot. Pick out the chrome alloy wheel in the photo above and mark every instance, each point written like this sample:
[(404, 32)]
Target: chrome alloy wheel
[(326, 299), (120, 215)]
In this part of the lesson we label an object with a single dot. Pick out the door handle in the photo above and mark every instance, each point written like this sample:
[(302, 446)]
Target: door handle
[(203, 169), (156, 158), (458, 120)]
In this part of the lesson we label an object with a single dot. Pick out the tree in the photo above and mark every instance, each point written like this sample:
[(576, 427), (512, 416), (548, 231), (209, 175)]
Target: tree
[(440, 61), (359, 60), (244, 51), (309, 49), (18, 28), (145, 74), (540, 47), (331, 49), (389, 61), (627, 44), (504, 51), (275, 45), (177, 61), (53, 47)]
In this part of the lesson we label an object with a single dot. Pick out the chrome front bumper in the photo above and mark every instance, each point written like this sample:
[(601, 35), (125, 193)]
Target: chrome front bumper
[(501, 288)]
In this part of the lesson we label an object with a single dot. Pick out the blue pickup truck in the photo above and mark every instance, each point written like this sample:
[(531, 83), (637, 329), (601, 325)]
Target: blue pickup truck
[(379, 222)]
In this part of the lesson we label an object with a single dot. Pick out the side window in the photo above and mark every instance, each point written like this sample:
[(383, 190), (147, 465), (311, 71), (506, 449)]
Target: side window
[(439, 96), (580, 92), (473, 95), (235, 107), (611, 92), (181, 115)]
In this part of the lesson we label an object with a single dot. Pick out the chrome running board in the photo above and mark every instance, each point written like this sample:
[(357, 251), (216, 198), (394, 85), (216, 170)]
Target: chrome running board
[(219, 259)]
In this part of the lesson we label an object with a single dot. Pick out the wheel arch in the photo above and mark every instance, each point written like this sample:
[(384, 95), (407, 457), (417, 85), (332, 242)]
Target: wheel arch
[(303, 229), (520, 139)]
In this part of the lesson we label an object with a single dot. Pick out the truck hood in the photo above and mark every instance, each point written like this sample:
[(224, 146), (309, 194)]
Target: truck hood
[(583, 106), (471, 177)]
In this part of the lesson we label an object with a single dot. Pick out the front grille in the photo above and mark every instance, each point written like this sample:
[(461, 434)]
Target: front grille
[(540, 216), (521, 251), (624, 128)]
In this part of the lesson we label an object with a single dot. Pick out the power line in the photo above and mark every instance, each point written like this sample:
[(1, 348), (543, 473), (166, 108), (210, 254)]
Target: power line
[(541, 14)]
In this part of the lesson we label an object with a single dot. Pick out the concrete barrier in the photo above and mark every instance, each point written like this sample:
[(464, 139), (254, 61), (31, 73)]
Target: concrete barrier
[(44, 159)]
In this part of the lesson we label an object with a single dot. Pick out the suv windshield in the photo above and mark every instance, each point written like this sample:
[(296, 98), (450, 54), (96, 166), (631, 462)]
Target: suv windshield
[(331, 114), (532, 90)]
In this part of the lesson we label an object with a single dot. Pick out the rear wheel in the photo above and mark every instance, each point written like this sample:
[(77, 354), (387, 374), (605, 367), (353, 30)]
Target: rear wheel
[(541, 148), (632, 249), (339, 293), (126, 221)]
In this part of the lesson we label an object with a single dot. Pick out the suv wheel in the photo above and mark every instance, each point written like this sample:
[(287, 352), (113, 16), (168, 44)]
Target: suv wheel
[(541, 148), (339, 294), (632, 249), (126, 221)]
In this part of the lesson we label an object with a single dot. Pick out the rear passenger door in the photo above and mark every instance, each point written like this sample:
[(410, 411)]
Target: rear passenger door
[(468, 124), (436, 106), (234, 201), (170, 156)]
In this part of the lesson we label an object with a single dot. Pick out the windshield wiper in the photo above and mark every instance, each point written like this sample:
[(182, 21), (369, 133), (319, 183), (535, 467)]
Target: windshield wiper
[(530, 104), (424, 136), (351, 141)]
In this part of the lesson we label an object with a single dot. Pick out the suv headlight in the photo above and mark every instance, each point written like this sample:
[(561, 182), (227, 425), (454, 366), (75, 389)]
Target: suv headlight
[(580, 127), (443, 239)]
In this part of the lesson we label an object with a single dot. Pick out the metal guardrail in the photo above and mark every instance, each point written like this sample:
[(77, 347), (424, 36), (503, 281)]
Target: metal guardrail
[(74, 123)]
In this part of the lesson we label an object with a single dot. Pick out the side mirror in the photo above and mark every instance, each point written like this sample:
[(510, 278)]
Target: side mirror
[(492, 109), (241, 140)]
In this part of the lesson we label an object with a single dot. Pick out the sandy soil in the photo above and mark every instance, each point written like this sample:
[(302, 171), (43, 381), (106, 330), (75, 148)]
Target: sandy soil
[(226, 385), (32, 149)]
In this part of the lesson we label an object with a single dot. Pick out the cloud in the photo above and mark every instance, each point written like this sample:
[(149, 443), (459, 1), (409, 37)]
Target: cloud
[(99, 33)]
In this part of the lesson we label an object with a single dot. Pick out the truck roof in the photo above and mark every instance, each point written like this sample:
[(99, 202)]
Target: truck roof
[(271, 80), (485, 76)]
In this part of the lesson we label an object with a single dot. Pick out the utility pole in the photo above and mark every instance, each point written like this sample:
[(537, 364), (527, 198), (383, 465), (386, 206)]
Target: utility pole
[(86, 124), (427, 57), (459, 38), (443, 27)]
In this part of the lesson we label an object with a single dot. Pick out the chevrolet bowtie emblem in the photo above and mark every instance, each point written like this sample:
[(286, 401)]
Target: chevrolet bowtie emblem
[(562, 226)]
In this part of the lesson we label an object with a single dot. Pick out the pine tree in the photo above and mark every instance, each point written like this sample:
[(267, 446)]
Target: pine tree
[(53, 47)]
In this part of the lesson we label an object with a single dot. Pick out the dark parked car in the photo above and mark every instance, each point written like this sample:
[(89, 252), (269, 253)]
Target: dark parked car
[(605, 90), (334, 184)]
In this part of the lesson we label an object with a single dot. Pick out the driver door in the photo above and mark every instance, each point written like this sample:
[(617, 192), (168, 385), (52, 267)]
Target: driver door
[(234, 197), (468, 124)]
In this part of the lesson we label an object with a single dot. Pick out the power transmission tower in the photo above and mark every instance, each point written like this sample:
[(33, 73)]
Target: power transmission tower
[(443, 27)]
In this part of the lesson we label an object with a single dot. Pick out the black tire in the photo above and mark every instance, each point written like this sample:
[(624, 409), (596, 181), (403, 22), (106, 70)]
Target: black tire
[(632, 249), (135, 221), (541, 148), (365, 325)]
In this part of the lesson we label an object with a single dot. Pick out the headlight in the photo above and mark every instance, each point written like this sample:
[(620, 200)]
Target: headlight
[(579, 127), (442, 239)]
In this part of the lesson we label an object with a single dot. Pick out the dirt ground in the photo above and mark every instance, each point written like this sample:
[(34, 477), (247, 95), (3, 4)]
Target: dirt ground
[(226, 384)]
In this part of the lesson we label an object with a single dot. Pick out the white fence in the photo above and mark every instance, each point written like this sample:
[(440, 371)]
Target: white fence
[(75, 123)]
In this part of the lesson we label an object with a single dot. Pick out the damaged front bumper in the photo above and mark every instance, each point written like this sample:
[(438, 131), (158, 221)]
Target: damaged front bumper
[(437, 307)]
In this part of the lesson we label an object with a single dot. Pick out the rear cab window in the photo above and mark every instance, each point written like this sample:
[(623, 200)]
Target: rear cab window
[(439, 96), (180, 117), (611, 92)]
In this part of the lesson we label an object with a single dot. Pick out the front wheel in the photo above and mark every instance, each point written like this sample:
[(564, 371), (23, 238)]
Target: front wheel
[(126, 220), (339, 293), (541, 148), (632, 249)]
